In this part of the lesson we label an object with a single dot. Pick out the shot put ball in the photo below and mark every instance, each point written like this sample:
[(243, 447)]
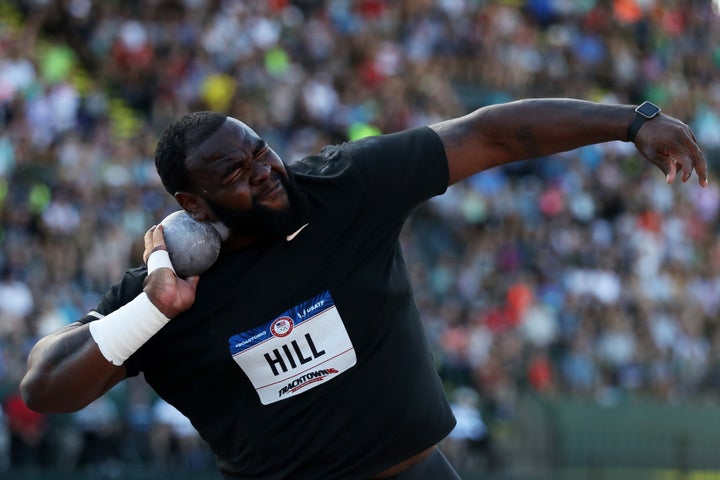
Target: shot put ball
[(193, 246)]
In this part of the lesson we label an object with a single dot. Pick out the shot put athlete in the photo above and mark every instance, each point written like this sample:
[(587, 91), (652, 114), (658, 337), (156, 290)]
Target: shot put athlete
[(300, 353)]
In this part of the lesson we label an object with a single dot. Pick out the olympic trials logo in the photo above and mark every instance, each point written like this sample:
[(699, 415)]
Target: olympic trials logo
[(282, 327)]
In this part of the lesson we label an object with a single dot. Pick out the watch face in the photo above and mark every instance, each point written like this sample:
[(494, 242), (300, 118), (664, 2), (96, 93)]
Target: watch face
[(648, 110)]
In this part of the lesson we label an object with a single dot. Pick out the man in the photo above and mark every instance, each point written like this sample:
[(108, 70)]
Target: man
[(300, 353)]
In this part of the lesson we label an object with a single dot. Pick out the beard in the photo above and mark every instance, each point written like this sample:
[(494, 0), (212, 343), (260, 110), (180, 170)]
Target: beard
[(266, 223)]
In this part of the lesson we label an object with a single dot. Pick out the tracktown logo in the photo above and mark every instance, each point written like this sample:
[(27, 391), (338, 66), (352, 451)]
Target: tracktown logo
[(305, 380)]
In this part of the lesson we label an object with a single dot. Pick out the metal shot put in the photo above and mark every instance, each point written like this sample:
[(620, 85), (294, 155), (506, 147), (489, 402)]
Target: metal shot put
[(193, 246)]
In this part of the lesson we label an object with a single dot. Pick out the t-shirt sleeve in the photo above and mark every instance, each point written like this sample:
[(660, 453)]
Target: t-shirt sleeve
[(120, 293), (401, 170)]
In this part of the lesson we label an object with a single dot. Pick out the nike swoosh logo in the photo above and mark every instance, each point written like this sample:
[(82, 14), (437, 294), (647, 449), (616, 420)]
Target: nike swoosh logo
[(296, 232)]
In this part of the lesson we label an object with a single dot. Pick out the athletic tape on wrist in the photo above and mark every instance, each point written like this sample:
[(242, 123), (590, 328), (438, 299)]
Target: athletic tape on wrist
[(159, 259), (122, 332)]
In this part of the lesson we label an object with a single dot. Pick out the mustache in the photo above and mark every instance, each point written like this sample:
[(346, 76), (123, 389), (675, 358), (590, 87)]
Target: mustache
[(262, 222), (269, 184)]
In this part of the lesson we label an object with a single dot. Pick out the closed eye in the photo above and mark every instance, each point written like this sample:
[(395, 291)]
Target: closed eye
[(235, 172), (260, 150)]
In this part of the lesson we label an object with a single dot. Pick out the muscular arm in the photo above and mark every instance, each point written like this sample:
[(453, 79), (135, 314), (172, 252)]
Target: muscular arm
[(66, 371), (501, 134)]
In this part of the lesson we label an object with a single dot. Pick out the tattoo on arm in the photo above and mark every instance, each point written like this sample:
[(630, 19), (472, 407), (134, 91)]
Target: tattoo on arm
[(528, 141)]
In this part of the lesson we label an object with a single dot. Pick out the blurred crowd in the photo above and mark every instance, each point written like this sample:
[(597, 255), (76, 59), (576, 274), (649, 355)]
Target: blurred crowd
[(583, 275)]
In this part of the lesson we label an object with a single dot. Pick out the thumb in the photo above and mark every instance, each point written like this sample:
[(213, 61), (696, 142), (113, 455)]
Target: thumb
[(193, 281)]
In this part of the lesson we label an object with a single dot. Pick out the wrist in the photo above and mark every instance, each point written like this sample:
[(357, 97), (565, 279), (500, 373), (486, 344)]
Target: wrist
[(159, 259), (122, 332), (642, 113)]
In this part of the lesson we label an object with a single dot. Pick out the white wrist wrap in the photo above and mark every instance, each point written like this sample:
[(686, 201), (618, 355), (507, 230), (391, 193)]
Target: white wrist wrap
[(159, 259), (122, 332)]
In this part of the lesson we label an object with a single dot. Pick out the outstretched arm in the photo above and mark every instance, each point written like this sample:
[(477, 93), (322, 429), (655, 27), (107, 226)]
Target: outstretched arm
[(500, 134), (70, 368)]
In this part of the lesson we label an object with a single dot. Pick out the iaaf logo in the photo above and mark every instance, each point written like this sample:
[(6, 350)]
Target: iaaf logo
[(305, 380), (282, 327)]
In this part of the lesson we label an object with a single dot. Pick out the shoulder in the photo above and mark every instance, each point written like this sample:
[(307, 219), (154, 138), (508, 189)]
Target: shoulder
[(334, 160)]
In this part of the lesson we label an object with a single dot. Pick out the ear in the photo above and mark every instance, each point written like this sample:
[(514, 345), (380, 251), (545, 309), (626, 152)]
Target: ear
[(194, 204)]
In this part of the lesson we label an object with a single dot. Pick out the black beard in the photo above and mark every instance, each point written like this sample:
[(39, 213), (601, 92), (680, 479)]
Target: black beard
[(266, 223)]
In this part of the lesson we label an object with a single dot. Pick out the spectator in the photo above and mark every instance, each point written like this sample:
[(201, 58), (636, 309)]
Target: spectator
[(77, 122)]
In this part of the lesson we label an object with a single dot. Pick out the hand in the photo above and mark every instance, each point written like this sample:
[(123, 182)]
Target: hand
[(670, 144), (169, 293)]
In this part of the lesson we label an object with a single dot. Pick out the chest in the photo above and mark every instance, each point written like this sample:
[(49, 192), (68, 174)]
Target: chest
[(275, 323)]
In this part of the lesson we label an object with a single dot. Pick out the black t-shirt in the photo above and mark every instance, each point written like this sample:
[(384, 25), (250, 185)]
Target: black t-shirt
[(307, 359)]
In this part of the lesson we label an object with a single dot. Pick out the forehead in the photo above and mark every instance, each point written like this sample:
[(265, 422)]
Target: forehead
[(233, 138)]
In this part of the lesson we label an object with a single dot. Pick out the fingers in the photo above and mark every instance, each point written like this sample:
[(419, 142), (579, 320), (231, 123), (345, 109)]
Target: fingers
[(671, 173), (685, 163), (675, 154), (154, 240), (158, 238), (690, 157), (148, 239), (698, 160), (159, 256), (169, 293)]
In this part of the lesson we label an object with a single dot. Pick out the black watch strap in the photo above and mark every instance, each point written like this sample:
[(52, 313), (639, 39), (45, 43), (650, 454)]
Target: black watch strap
[(643, 112)]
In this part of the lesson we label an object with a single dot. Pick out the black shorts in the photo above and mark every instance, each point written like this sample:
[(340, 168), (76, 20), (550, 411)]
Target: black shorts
[(434, 467)]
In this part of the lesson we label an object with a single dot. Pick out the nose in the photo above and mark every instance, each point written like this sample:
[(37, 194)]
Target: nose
[(261, 171)]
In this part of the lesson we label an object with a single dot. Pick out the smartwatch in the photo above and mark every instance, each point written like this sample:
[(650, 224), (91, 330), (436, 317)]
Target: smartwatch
[(644, 112)]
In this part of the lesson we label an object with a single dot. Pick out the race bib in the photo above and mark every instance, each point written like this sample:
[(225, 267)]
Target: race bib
[(300, 349)]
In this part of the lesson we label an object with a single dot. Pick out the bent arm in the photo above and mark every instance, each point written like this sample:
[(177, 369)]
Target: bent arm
[(75, 365), (500, 134), (66, 372)]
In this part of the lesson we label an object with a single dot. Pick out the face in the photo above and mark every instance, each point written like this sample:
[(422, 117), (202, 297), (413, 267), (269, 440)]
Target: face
[(244, 185)]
